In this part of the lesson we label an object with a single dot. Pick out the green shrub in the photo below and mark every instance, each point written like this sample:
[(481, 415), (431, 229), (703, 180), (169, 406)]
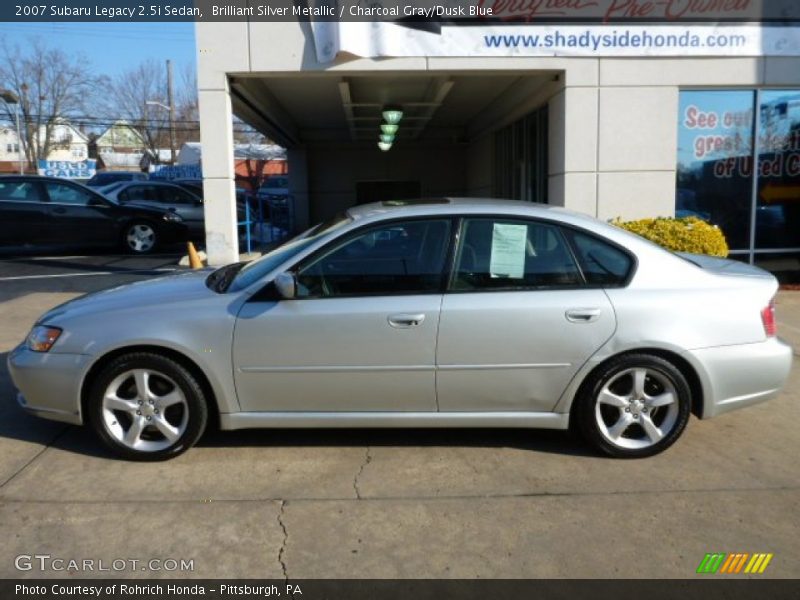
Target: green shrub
[(689, 234)]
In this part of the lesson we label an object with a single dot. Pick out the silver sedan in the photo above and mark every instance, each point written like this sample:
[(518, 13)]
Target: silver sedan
[(439, 313)]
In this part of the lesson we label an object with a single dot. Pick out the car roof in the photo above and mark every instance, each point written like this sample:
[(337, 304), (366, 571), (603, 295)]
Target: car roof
[(449, 206), (120, 173), (377, 211), (146, 182)]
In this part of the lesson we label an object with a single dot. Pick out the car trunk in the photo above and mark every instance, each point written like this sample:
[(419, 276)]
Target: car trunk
[(724, 266)]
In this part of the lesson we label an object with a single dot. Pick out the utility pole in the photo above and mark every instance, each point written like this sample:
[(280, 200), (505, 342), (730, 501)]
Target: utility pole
[(20, 144), (146, 133), (171, 102)]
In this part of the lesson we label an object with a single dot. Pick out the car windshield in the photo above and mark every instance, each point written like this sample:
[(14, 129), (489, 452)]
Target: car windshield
[(253, 271), (104, 189)]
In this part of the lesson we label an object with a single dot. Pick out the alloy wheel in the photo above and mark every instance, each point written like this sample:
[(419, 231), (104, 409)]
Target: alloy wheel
[(145, 410), (637, 408)]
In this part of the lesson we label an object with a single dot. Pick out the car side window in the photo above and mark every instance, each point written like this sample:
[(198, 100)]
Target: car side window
[(61, 193), (397, 258), (140, 192), (602, 263), (175, 195), (19, 191), (511, 254)]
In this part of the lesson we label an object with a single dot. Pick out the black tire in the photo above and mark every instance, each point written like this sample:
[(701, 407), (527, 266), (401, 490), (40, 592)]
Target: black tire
[(660, 373), (129, 231), (167, 372)]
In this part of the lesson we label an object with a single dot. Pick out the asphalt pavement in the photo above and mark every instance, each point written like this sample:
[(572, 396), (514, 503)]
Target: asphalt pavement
[(380, 503)]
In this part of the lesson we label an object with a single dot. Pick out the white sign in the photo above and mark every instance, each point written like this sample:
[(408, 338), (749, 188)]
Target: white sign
[(381, 39), (65, 169), (508, 251)]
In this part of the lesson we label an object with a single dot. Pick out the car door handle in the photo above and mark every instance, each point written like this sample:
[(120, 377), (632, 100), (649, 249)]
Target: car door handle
[(583, 315), (405, 321)]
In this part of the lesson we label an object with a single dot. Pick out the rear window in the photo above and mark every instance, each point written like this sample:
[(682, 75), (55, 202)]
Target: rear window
[(601, 262), (105, 179)]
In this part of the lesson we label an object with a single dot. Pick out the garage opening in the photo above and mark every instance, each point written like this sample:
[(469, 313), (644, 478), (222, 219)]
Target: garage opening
[(382, 191), (461, 134)]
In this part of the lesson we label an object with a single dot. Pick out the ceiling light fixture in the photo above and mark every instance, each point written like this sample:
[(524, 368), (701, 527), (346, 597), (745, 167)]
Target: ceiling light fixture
[(392, 114)]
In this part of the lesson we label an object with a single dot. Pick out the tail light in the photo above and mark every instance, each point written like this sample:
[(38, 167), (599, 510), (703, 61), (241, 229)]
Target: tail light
[(768, 319)]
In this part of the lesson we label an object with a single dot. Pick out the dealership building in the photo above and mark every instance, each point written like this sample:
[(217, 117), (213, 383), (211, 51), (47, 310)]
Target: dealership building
[(623, 119)]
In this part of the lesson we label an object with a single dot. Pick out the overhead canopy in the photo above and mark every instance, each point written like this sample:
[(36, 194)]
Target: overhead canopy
[(322, 107)]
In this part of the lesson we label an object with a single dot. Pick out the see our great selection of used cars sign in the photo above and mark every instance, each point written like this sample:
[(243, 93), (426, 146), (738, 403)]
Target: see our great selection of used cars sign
[(83, 169)]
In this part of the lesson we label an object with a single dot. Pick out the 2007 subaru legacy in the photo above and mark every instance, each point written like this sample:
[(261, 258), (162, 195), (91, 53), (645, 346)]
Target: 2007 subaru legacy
[(438, 313)]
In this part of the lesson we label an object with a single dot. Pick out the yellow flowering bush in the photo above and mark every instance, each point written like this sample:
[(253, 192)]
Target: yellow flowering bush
[(688, 234)]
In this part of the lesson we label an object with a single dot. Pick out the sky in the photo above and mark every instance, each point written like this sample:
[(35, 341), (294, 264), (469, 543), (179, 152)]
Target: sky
[(111, 48)]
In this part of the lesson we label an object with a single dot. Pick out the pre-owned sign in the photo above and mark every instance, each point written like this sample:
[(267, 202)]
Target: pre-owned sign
[(67, 169)]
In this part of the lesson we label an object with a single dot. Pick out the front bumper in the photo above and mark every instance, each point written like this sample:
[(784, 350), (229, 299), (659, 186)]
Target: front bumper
[(171, 233), (743, 375), (48, 383)]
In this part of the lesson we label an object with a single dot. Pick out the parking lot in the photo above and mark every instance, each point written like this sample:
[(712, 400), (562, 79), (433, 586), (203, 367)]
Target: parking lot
[(386, 504)]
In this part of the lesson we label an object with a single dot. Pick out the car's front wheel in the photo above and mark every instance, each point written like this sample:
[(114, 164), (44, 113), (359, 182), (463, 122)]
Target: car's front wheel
[(146, 406), (636, 405), (140, 237)]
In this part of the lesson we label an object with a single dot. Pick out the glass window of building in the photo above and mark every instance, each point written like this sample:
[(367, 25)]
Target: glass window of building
[(757, 209)]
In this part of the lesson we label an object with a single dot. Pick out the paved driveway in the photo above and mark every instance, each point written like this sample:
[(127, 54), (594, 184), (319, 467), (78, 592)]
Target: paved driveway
[(307, 504)]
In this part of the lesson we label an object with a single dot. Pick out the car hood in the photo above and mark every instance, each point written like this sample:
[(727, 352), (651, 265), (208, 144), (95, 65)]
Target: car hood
[(155, 293), (141, 206)]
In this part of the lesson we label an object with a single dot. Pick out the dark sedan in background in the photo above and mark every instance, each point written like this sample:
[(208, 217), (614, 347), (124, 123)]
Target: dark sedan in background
[(46, 211)]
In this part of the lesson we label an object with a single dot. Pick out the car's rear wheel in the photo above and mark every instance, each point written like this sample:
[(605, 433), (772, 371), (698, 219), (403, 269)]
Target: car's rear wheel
[(146, 406), (140, 237), (636, 405)]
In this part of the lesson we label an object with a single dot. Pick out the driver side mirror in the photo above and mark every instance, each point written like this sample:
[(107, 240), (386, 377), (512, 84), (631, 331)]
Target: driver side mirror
[(286, 284)]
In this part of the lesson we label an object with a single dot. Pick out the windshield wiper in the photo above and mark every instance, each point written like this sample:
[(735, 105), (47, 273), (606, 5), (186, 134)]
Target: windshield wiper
[(221, 279)]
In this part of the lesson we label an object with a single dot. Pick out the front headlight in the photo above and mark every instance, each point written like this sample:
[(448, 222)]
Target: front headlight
[(41, 338), (173, 217)]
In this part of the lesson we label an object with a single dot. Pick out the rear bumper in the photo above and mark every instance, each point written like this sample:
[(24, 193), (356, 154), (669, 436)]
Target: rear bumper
[(740, 376), (48, 383)]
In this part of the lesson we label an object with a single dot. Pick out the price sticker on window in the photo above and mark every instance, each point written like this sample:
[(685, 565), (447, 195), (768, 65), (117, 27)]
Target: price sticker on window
[(508, 251)]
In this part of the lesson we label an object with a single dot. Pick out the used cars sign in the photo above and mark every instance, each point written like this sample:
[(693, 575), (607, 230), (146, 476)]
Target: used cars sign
[(83, 169)]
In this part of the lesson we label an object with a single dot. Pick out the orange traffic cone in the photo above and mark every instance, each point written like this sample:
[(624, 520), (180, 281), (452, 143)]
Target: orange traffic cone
[(194, 258)]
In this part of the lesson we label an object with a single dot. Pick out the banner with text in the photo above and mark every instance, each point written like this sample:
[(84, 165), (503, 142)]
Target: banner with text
[(83, 169), (433, 39)]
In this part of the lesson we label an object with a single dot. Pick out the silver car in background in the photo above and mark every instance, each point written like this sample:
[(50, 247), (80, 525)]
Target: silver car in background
[(160, 194), (438, 313)]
